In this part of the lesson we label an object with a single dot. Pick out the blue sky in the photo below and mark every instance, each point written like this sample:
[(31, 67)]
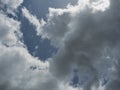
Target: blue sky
[(36, 46), (59, 45)]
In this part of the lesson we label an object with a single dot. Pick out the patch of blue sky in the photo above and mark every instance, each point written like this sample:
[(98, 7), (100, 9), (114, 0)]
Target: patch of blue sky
[(75, 80), (79, 81), (44, 48)]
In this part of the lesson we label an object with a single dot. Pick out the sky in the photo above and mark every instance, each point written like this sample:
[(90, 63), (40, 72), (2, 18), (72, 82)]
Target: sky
[(59, 45)]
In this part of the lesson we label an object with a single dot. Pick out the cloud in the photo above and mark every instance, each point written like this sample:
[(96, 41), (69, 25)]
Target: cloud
[(16, 73), (10, 6), (8, 27), (87, 36)]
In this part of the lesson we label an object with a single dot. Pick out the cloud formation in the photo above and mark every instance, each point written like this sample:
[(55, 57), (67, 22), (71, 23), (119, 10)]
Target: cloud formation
[(87, 36)]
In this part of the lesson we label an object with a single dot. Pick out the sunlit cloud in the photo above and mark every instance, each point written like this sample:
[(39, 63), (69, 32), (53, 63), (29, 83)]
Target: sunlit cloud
[(100, 5)]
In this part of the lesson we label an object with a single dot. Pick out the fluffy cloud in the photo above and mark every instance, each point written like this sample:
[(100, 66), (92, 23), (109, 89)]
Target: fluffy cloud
[(16, 73), (8, 27)]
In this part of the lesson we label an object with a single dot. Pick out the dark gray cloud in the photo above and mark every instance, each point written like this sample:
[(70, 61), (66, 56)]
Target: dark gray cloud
[(84, 40)]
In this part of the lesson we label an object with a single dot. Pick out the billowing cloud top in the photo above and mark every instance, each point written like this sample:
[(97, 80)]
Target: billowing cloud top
[(87, 37)]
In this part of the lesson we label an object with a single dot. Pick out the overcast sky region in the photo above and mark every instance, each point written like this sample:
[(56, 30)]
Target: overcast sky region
[(59, 44)]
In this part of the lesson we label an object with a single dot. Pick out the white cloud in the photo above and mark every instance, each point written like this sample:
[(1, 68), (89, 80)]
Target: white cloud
[(16, 74), (8, 27), (101, 5)]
